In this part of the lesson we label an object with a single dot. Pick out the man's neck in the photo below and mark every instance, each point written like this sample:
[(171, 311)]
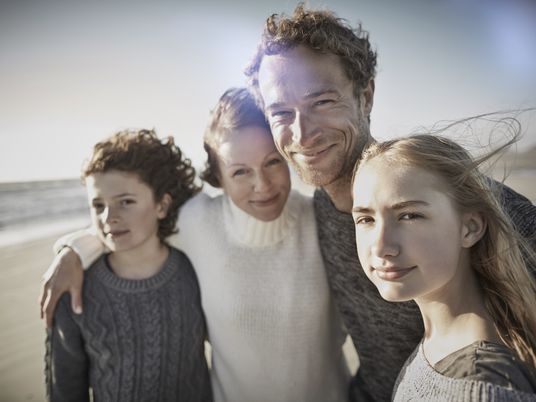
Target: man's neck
[(340, 193)]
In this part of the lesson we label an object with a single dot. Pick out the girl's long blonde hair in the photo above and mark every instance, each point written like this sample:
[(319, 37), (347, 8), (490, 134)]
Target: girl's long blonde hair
[(502, 259)]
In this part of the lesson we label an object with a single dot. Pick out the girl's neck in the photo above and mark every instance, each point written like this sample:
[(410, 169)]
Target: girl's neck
[(453, 321), (141, 262)]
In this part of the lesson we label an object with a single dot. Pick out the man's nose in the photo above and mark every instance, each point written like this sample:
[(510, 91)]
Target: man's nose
[(303, 128)]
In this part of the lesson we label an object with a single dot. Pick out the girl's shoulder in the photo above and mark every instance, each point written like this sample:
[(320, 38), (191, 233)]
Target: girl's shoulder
[(489, 362)]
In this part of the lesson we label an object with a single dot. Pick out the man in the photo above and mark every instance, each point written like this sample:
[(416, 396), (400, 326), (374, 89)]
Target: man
[(313, 75)]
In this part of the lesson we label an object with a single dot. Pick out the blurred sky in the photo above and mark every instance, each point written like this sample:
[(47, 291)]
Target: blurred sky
[(75, 71)]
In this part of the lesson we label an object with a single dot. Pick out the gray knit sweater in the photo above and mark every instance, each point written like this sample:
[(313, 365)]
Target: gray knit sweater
[(419, 381), (137, 340), (384, 333)]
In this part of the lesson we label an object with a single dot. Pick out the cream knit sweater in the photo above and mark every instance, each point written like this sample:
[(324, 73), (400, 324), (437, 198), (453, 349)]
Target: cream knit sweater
[(274, 331)]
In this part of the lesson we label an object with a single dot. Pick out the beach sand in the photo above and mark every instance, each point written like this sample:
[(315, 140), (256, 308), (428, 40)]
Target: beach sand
[(22, 333)]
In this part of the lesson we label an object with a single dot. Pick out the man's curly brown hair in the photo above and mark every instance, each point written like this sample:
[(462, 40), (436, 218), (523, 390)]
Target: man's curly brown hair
[(158, 163), (321, 31)]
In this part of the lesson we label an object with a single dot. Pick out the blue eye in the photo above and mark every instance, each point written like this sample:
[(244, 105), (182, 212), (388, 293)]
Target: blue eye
[(274, 161), (323, 102), (97, 207), (280, 113), (239, 172), (363, 220), (408, 216)]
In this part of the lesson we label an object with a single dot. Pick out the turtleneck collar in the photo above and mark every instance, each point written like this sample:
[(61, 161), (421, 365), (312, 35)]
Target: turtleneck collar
[(252, 232)]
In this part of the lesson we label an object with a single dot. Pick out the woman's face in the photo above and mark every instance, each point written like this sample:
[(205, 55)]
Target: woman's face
[(253, 173), (411, 240)]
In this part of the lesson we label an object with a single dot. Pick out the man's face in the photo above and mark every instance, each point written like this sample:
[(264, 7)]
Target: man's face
[(318, 123)]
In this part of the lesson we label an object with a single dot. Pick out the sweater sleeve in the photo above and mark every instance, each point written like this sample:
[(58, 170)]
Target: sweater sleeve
[(522, 214), (66, 362), (85, 243)]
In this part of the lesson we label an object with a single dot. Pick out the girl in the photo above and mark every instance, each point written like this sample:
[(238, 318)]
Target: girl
[(142, 332), (274, 330), (429, 228)]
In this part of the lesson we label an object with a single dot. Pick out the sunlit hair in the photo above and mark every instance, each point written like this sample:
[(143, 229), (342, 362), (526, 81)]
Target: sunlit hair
[(501, 259), (235, 109), (321, 31), (158, 163)]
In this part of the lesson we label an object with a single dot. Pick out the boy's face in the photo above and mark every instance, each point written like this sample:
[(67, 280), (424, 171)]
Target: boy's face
[(124, 211)]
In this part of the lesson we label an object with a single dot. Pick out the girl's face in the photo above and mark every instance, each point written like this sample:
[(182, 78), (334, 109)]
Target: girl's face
[(253, 173), (123, 210), (411, 241)]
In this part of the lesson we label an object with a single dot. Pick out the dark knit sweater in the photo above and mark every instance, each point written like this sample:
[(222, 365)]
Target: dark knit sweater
[(137, 340), (384, 333)]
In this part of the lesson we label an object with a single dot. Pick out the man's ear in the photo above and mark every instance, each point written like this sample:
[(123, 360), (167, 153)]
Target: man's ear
[(163, 206), (368, 97), (473, 228)]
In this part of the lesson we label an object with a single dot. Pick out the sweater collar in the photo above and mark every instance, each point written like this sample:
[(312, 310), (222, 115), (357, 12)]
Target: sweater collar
[(252, 232)]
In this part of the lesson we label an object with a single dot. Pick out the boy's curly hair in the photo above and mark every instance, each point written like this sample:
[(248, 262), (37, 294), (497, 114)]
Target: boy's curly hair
[(321, 31), (158, 163)]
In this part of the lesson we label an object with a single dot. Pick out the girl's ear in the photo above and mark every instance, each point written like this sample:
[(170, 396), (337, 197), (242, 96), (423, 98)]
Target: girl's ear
[(163, 206), (473, 228)]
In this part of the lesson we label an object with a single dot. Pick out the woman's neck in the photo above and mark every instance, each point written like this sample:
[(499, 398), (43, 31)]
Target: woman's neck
[(453, 320), (141, 262)]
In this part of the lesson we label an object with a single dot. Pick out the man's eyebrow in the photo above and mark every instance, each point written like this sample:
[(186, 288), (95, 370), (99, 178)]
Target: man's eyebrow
[(309, 95), (327, 91)]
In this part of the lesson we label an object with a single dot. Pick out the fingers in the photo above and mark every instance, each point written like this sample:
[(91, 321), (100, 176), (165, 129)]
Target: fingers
[(49, 307), (42, 297), (76, 299)]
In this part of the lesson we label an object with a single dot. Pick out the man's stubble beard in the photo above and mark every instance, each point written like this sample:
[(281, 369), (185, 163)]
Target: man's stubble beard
[(343, 170)]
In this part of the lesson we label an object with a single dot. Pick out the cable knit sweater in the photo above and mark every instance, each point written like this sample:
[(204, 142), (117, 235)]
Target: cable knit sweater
[(384, 333), (137, 340), (419, 381), (275, 333)]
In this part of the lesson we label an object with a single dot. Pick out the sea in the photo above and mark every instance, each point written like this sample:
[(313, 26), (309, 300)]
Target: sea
[(36, 209)]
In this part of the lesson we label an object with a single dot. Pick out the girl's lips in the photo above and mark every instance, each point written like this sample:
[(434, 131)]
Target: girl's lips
[(394, 273)]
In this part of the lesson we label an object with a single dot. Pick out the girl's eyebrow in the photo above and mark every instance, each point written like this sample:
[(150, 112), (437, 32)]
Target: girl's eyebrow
[(404, 204), (361, 210), (397, 206)]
